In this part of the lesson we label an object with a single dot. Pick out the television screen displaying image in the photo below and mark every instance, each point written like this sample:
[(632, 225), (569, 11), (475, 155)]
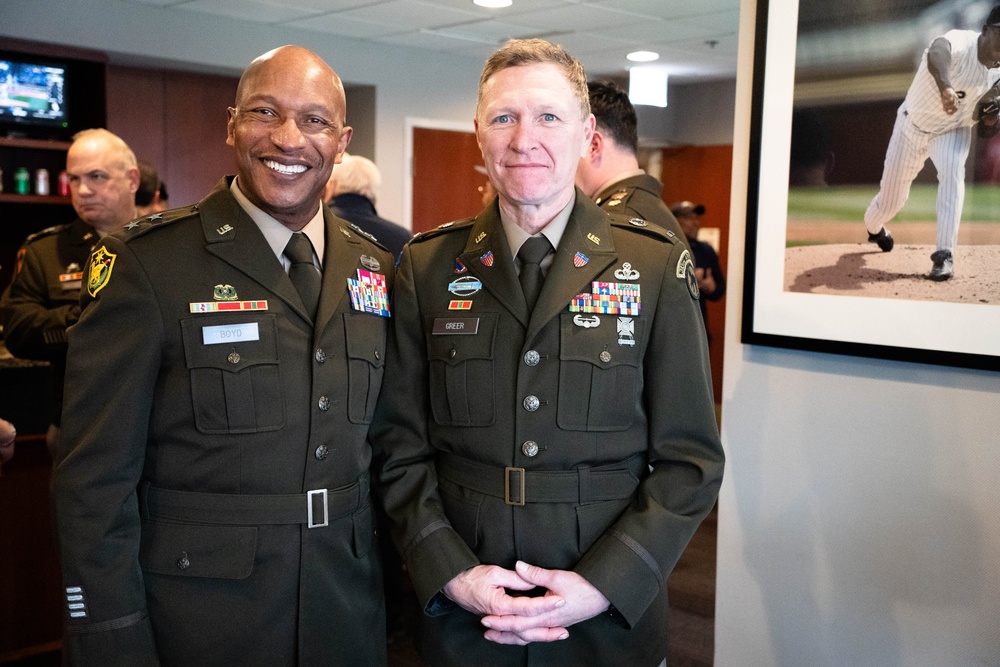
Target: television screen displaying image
[(32, 93)]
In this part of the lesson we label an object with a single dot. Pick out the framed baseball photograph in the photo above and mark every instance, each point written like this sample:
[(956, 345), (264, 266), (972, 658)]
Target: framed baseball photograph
[(873, 212)]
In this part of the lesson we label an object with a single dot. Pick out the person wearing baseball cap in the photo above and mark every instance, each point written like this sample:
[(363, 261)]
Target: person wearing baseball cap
[(711, 281)]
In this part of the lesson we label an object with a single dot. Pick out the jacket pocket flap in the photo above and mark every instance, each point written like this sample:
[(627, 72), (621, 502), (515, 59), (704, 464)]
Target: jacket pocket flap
[(249, 340), (196, 550)]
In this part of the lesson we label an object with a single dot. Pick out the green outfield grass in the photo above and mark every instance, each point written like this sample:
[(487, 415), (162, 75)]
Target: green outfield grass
[(848, 203)]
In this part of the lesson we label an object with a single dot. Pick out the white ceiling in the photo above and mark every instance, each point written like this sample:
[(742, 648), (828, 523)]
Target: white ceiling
[(696, 39)]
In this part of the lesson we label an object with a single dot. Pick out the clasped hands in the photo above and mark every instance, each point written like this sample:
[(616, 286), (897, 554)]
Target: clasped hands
[(568, 599)]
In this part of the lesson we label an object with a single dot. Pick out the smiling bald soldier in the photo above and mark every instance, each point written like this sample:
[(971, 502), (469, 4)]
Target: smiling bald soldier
[(212, 488)]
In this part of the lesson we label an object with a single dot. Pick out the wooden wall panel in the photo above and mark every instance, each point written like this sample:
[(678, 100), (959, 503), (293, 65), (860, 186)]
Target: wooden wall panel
[(177, 121), (135, 111), (195, 134), (702, 174)]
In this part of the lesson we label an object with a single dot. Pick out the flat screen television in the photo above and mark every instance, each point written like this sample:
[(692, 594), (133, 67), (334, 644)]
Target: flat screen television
[(33, 93)]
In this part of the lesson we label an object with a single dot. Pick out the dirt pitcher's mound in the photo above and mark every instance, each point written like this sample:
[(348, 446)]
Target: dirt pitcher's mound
[(861, 269)]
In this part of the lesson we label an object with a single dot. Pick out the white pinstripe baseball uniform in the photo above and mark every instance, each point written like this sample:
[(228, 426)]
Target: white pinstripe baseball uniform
[(923, 130)]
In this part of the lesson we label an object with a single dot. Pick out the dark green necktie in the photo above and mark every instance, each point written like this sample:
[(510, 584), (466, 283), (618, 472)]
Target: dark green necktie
[(303, 272), (531, 255)]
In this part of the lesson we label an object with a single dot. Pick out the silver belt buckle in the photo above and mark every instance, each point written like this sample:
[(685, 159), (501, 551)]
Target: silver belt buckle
[(309, 508)]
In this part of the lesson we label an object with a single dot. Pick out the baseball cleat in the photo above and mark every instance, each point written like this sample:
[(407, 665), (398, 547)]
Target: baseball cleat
[(942, 269), (883, 239)]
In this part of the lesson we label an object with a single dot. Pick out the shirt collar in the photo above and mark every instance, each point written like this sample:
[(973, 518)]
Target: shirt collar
[(552, 231), (277, 234)]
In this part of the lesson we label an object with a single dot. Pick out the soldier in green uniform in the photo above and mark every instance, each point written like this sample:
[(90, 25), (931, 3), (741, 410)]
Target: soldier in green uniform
[(547, 423), (609, 171), (43, 298), (212, 488)]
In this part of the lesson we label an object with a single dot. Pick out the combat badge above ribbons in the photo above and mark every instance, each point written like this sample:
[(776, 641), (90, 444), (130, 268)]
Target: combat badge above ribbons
[(685, 272), (101, 263)]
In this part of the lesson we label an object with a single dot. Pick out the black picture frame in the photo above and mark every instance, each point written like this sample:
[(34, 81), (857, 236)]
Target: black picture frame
[(928, 332)]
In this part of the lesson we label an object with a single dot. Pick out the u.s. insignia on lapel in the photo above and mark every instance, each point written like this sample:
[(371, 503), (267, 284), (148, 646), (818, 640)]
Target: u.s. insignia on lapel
[(224, 229), (368, 293)]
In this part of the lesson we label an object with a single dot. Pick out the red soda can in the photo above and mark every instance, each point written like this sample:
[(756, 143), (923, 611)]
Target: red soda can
[(63, 184)]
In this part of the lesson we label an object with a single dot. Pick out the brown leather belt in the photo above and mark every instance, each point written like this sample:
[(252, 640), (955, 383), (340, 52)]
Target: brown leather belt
[(518, 486), (313, 508)]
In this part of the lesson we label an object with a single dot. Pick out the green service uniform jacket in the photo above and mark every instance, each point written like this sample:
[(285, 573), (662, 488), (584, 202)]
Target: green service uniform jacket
[(212, 497), (43, 298), (510, 435), (639, 197)]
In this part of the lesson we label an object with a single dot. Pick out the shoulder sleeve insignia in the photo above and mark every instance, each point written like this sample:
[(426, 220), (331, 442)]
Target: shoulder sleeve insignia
[(685, 272), (101, 263)]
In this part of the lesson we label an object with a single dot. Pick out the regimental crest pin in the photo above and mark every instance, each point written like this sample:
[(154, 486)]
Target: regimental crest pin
[(460, 266), (626, 331), (224, 293), (626, 272)]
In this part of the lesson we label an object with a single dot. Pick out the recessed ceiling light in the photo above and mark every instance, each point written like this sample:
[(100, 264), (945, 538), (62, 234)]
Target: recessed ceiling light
[(643, 56), (493, 4)]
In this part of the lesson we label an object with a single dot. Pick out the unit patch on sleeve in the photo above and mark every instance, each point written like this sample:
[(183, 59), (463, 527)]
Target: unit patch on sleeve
[(101, 264), (685, 272)]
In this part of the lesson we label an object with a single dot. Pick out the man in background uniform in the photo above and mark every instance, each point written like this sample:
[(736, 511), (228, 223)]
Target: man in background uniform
[(43, 298), (935, 120), (212, 488), (543, 356), (609, 172)]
